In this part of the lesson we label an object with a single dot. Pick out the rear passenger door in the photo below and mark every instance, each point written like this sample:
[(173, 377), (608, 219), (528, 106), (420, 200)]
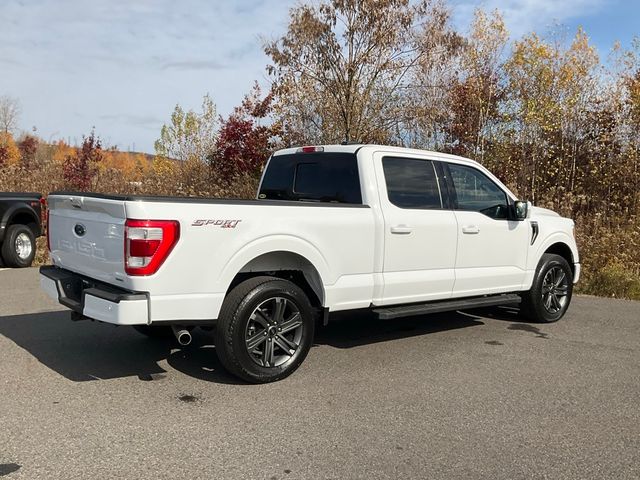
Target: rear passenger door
[(492, 248), (420, 235)]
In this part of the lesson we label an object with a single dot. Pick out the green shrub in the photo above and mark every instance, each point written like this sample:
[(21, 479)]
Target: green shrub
[(614, 280), (610, 255)]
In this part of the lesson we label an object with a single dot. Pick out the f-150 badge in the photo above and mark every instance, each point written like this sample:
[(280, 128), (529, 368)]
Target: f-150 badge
[(216, 223)]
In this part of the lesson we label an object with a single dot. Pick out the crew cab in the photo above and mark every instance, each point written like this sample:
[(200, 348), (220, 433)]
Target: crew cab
[(20, 225), (335, 227)]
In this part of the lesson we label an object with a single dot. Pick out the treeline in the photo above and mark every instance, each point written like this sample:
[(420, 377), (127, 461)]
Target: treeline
[(545, 114), (553, 120)]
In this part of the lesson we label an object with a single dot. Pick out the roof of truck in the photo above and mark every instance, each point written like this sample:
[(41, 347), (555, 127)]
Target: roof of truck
[(354, 148)]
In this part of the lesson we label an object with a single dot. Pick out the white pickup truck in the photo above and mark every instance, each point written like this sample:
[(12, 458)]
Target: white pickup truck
[(336, 227)]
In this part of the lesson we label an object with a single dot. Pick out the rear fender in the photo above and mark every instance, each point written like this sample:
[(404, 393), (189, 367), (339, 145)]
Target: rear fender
[(20, 209), (273, 244)]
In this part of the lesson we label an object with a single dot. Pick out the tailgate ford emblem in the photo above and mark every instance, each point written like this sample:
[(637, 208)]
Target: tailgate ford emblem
[(80, 229)]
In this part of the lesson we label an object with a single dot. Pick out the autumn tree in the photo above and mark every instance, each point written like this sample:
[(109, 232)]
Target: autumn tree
[(28, 146), (191, 136), (341, 69), (80, 168), (632, 84), (143, 165), (624, 103), (9, 153), (245, 139), (426, 113), (478, 90), (549, 91), (9, 113)]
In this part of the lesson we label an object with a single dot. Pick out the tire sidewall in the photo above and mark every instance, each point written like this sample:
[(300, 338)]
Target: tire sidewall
[(547, 264), (9, 255), (276, 288)]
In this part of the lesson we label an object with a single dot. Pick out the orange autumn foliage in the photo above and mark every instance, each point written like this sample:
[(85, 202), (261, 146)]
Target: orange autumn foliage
[(9, 151)]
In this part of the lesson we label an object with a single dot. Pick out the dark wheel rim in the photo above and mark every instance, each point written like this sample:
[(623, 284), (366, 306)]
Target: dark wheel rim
[(555, 290), (274, 332)]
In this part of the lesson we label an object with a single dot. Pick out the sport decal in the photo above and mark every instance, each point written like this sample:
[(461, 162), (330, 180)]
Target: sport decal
[(216, 223)]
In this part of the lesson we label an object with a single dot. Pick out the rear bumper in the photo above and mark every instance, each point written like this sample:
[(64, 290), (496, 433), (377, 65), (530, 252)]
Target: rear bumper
[(95, 300)]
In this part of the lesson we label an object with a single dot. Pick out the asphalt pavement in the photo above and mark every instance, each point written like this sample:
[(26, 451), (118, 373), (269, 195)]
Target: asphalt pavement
[(473, 395)]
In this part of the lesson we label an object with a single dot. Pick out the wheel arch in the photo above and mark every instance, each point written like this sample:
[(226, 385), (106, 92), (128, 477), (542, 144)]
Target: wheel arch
[(22, 215), (559, 244), (563, 250), (289, 266), (285, 257)]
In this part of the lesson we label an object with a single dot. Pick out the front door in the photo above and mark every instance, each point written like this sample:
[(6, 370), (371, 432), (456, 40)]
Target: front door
[(419, 233), (492, 249)]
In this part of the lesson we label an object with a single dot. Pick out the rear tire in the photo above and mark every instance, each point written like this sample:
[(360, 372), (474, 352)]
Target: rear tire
[(265, 329), (551, 291), (19, 246)]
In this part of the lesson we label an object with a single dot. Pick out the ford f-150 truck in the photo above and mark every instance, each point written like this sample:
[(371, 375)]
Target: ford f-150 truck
[(336, 227), (20, 225)]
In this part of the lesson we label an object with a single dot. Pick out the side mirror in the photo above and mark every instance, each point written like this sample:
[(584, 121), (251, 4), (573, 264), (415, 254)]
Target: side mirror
[(522, 209)]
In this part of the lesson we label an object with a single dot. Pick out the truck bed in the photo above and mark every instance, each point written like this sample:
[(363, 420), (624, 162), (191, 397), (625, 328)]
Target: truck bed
[(221, 237), (208, 200), (20, 195)]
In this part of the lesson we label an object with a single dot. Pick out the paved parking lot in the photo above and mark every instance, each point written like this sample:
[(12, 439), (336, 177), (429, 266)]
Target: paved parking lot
[(462, 395)]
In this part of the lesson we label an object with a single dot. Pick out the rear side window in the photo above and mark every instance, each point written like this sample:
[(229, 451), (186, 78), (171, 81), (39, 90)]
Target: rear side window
[(317, 177), (411, 183)]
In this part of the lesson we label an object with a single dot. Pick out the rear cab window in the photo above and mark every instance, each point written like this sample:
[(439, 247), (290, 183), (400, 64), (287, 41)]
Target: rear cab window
[(412, 183), (330, 177)]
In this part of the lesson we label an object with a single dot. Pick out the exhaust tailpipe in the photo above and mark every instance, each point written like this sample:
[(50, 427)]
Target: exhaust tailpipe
[(182, 335)]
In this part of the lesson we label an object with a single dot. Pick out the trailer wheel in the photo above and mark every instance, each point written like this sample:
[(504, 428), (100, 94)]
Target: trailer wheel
[(19, 246), (265, 329)]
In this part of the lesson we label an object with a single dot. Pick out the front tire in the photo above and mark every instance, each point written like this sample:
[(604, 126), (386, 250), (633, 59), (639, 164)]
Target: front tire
[(550, 295), (19, 246), (265, 329)]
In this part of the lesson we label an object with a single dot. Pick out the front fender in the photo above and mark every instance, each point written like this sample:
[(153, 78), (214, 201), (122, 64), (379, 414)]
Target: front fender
[(543, 246)]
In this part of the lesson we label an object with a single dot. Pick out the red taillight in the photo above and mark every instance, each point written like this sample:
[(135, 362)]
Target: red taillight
[(48, 232), (143, 248), (310, 149), (43, 208), (147, 244)]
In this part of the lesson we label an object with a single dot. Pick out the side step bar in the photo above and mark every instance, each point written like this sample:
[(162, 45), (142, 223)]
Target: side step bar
[(388, 313)]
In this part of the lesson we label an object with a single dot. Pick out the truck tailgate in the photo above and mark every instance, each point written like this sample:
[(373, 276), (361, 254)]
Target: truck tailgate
[(86, 236)]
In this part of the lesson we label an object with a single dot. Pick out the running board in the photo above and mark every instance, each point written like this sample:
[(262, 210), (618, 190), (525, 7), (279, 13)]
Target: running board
[(388, 313)]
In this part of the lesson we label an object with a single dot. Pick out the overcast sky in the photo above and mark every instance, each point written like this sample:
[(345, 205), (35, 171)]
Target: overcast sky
[(122, 65)]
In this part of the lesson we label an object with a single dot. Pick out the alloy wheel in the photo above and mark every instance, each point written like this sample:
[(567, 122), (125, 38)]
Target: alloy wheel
[(555, 289), (274, 332)]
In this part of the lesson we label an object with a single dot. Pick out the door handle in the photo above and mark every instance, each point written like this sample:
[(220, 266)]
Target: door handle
[(470, 229), (401, 230)]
